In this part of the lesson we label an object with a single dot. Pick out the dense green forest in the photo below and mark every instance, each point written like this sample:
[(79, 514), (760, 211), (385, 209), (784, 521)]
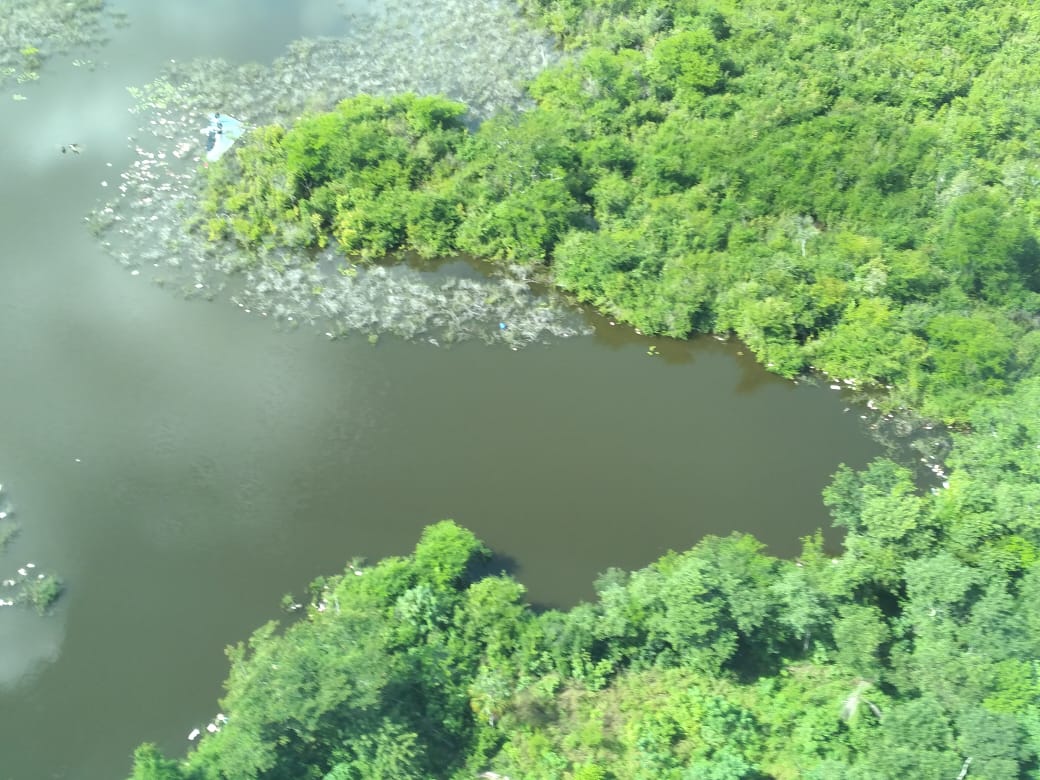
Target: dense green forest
[(846, 186), (898, 660)]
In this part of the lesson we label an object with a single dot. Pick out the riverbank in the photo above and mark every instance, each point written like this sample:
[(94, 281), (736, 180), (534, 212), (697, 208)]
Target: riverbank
[(296, 282), (397, 48), (606, 184)]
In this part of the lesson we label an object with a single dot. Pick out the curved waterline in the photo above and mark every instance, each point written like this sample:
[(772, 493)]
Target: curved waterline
[(426, 48)]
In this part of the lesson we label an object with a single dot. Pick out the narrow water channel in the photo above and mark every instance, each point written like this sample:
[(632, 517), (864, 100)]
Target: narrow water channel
[(183, 465)]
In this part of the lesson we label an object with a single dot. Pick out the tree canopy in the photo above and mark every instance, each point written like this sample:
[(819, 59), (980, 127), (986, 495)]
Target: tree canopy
[(891, 661), (845, 186)]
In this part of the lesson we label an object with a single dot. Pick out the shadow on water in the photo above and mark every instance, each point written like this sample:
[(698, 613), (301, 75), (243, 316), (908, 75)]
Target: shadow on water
[(494, 565), (618, 336), (421, 46)]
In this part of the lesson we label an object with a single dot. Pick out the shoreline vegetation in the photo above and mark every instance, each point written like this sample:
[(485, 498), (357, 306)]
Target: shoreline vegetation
[(849, 187), (29, 586), (422, 46)]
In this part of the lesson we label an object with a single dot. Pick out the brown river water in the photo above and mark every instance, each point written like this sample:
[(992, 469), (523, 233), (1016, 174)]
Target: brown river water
[(183, 464)]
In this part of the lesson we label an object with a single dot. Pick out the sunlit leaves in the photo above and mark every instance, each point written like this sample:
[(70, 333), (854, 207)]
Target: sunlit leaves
[(149, 764), (685, 65), (364, 173), (916, 740)]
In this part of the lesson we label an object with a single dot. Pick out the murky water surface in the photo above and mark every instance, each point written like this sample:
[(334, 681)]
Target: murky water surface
[(184, 464)]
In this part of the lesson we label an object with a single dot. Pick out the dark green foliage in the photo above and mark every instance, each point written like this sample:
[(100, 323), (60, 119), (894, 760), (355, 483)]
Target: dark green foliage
[(373, 684), (838, 187), (418, 668), (916, 740), (850, 186), (860, 632), (520, 185), (149, 764), (886, 522), (991, 510), (365, 174), (386, 754)]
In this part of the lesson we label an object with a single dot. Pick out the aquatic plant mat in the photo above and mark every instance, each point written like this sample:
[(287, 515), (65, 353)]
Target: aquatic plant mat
[(31, 31), (28, 584), (478, 53)]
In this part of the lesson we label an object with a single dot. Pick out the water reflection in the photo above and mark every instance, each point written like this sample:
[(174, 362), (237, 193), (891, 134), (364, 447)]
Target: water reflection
[(27, 645), (33, 31), (426, 47), (674, 352), (224, 463), (187, 21)]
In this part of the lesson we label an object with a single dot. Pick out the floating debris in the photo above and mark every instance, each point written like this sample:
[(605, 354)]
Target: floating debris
[(31, 31), (425, 47), (40, 592)]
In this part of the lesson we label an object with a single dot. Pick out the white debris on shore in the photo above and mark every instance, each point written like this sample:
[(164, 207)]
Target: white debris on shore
[(423, 46), (33, 30), (39, 591), (212, 727)]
